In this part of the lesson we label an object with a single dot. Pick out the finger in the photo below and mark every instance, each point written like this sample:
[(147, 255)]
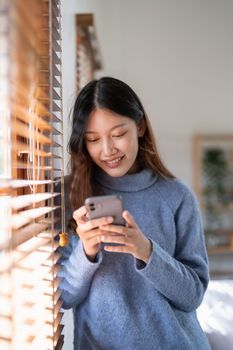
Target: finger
[(88, 235), (116, 239), (87, 225), (94, 240), (118, 249), (77, 214), (92, 224), (129, 219), (122, 230)]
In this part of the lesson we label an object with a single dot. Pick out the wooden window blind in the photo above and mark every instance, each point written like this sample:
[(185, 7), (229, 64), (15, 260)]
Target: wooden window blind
[(31, 164)]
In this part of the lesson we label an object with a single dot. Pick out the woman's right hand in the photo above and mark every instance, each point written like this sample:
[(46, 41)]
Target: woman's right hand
[(89, 231)]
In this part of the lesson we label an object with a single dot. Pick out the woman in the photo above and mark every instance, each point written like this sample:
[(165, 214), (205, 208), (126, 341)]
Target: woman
[(143, 291)]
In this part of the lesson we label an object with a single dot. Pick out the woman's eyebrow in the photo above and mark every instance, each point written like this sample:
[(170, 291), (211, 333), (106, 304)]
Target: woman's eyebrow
[(114, 127)]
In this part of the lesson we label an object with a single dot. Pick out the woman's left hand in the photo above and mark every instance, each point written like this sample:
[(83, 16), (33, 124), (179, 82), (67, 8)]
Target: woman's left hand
[(130, 238)]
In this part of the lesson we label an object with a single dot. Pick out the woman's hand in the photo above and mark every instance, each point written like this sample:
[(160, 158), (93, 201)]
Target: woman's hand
[(89, 231), (131, 238)]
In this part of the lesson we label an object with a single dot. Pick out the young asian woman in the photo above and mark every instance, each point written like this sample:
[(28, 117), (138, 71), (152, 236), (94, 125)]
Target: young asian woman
[(143, 291)]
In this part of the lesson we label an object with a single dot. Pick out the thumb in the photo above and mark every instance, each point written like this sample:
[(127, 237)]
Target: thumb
[(129, 219)]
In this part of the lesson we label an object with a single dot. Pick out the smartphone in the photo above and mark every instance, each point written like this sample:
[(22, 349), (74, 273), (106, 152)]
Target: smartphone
[(103, 206)]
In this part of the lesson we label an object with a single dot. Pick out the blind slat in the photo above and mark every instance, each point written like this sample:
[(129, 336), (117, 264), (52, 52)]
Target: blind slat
[(28, 247), (58, 333), (26, 233), (55, 22), (55, 10), (23, 251), (23, 183), (25, 165), (56, 107), (23, 114), (60, 343), (29, 165), (18, 220), (26, 200), (24, 131), (23, 148), (56, 118), (56, 83), (58, 319), (56, 131), (56, 95), (56, 35), (57, 307), (53, 259)]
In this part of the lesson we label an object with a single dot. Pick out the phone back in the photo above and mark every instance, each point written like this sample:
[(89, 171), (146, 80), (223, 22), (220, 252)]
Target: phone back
[(102, 206)]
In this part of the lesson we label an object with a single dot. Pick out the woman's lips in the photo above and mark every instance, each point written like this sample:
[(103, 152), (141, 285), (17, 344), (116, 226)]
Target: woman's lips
[(113, 163)]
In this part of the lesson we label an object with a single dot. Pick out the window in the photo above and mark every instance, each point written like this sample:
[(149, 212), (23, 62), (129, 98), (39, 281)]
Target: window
[(31, 164)]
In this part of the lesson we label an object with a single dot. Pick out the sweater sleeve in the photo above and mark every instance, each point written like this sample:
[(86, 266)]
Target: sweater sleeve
[(182, 278), (76, 273)]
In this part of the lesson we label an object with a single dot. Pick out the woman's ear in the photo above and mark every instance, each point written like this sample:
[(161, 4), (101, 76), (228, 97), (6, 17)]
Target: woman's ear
[(141, 127)]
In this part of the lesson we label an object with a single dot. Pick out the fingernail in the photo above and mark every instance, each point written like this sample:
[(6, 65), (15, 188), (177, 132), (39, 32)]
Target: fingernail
[(110, 219)]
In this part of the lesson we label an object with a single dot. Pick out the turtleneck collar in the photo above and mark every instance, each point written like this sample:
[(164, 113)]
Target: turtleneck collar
[(127, 183)]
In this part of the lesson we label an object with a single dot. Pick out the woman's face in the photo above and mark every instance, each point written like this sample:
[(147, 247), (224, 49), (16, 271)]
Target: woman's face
[(112, 142)]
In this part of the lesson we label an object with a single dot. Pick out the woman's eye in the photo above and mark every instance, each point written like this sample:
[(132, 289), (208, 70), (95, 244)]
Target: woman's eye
[(92, 140), (120, 135)]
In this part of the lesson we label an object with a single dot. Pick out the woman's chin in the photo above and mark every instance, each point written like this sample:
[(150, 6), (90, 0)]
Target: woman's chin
[(115, 172)]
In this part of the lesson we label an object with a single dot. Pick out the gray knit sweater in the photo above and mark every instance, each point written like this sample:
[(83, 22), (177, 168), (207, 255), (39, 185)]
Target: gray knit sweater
[(121, 303)]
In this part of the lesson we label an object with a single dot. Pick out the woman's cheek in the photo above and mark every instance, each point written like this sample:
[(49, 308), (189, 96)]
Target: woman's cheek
[(93, 151)]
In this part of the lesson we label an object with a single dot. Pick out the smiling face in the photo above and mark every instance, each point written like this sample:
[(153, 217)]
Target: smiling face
[(112, 142)]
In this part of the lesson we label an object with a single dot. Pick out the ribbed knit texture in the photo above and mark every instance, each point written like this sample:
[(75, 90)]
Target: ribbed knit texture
[(121, 303)]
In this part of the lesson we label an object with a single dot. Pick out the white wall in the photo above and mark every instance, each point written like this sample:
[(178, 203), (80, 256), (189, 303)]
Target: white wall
[(176, 54)]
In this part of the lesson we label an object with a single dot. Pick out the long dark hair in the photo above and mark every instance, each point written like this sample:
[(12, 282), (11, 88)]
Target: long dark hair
[(116, 96)]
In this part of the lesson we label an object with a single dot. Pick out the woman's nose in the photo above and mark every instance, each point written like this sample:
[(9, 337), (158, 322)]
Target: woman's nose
[(108, 148)]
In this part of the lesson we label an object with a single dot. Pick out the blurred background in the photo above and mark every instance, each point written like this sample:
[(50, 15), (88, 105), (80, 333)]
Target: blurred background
[(178, 57)]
